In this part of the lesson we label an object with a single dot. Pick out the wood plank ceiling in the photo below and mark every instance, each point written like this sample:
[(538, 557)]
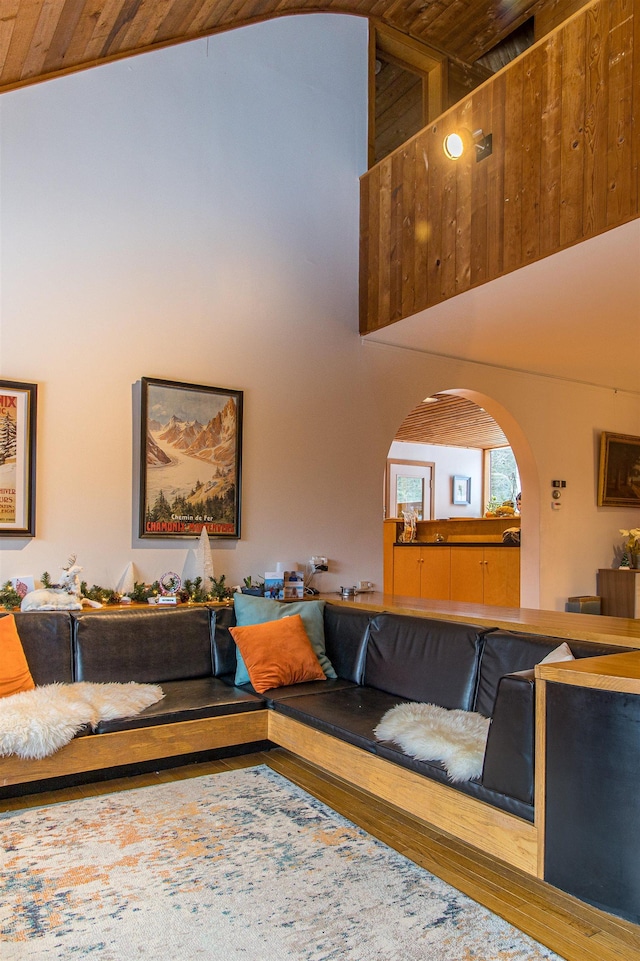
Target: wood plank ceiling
[(453, 421), (41, 39)]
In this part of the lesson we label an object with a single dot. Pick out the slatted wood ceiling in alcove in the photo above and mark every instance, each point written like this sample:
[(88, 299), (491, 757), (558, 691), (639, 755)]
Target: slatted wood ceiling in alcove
[(452, 421)]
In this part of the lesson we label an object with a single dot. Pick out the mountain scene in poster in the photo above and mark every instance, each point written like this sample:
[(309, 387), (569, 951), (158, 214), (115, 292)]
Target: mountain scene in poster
[(8, 457), (191, 462)]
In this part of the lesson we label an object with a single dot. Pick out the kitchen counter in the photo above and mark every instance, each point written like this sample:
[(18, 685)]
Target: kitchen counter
[(454, 544)]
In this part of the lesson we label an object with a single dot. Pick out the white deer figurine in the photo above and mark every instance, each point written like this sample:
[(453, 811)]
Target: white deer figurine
[(64, 596)]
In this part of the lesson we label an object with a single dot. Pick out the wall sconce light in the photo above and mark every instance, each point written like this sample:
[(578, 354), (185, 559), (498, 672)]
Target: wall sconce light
[(455, 144)]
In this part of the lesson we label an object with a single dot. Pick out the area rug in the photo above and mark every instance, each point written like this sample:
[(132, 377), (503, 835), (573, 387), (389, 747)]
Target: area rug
[(240, 866), (432, 733)]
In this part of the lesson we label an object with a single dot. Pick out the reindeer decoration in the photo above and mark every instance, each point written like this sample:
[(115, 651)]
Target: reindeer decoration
[(64, 596)]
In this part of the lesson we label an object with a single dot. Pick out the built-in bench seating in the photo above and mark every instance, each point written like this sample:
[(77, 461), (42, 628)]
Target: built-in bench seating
[(381, 659)]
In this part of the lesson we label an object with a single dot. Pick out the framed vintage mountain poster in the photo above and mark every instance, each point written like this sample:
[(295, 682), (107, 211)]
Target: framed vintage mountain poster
[(17, 459), (191, 456)]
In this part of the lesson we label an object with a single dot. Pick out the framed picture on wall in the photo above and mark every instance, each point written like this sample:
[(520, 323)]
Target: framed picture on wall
[(17, 459), (461, 489), (619, 474), (190, 460)]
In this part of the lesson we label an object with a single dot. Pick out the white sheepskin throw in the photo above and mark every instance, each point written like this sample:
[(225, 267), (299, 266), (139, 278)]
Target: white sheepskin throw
[(431, 733), (35, 724)]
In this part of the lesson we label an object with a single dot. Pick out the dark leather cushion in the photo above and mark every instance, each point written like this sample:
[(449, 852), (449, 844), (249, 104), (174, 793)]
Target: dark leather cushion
[(353, 714), (46, 641), (506, 652), (350, 714), (329, 685), (345, 632), (143, 645), (223, 645), (188, 701), (508, 760), (421, 659)]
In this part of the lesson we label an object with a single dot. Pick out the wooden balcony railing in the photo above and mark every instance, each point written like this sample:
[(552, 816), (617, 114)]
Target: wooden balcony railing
[(564, 168)]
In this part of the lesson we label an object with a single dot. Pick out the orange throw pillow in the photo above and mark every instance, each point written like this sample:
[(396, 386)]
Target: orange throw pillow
[(15, 675), (277, 653)]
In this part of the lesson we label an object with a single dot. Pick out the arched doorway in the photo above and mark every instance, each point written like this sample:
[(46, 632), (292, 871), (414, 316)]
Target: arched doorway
[(452, 432)]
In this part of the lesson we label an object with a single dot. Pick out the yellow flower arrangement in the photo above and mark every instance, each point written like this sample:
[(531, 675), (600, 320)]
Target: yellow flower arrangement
[(632, 543)]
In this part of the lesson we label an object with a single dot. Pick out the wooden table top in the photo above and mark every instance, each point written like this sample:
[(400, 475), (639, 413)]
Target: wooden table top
[(613, 672)]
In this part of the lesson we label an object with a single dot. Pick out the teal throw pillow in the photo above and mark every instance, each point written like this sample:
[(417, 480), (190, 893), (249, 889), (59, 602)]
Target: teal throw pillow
[(258, 610)]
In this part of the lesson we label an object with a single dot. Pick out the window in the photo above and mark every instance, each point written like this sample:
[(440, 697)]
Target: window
[(504, 478), (408, 487)]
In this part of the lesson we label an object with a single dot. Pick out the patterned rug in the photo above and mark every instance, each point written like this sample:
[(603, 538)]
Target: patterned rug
[(240, 866)]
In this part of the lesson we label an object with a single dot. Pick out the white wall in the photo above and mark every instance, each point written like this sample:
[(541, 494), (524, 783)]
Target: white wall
[(554, 428), (192, 214), (448, 461)]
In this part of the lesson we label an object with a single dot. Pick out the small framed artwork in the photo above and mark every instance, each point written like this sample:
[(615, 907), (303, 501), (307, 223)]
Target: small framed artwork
[(17, 459), (461, 489), (619, 474), (190, 460)]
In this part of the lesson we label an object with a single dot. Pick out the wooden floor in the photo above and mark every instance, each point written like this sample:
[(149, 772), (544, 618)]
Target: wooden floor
[(567, 926)]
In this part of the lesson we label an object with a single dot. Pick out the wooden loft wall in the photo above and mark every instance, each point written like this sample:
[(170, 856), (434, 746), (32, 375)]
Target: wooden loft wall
[(564, 168), (552, 14)]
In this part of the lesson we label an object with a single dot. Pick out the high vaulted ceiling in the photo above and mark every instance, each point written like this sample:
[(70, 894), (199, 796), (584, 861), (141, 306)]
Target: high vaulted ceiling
[(40, 39)]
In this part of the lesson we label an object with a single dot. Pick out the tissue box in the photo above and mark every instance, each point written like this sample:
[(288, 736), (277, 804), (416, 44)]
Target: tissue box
[(584, 605)]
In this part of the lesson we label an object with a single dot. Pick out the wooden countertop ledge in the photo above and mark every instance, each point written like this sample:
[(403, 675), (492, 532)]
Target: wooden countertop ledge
[(613, 672), (596, 628)]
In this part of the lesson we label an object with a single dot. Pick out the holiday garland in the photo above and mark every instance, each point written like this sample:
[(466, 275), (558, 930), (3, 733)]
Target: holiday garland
[(192, 591)]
